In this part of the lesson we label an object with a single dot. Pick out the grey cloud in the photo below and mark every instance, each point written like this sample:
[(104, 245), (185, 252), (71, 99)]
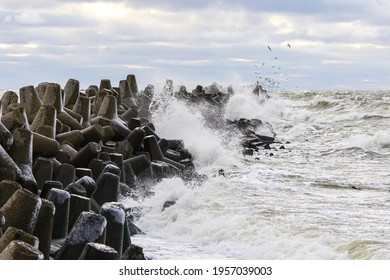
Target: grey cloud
[(80, 46), (25, 18)]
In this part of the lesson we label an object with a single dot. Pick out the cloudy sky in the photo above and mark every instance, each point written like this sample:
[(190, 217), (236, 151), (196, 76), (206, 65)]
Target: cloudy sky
[(315, 44)]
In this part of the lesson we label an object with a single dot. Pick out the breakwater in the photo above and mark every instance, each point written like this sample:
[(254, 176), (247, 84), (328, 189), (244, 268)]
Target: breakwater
[(68, 158)]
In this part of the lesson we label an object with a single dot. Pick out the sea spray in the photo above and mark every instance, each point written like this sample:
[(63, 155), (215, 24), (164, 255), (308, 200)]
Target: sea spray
[(212, 216), (214, 220), (209, 146), (324, 196), (377, 142)]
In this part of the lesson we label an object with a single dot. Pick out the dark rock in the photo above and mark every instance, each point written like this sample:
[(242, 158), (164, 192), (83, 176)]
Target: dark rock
[(167, 204), (21, 210), (134, 252), (19, 250), (7, 189), (116, 217), (48, 185), (221, 172), (85, 155), (44, 226), (61, 201), (247, 152), (13, 233), (132, 228), (90, 227), (107, 188), (98, 251)]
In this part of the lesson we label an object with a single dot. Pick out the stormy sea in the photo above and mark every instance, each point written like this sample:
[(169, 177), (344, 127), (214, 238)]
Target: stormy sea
[(320, 191)]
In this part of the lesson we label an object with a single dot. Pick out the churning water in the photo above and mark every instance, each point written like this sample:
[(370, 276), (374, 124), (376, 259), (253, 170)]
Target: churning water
[(325, 196)]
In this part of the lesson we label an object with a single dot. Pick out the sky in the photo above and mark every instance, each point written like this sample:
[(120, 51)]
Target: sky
[(283, 44)]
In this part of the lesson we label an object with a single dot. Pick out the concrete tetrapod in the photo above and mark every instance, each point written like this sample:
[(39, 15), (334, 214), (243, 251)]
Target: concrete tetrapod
[(53, 97), (19, 250), (44, 227), (61, 201), (30, 101), (89, 227), (115, 216), (108, 111), (21, 210), (98, 251)]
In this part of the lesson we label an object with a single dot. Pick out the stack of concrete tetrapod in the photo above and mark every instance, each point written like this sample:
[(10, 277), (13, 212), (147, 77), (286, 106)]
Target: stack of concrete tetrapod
[(68, 158)]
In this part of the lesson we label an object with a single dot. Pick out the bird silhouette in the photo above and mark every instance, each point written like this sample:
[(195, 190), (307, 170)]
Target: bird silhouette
[(269, 48), (288, 45)]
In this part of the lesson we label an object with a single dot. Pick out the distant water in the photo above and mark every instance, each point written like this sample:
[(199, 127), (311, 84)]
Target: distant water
[(325, 196)]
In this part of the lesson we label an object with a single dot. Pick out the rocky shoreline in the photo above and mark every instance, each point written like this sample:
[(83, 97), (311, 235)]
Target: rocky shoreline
[(68, 157)]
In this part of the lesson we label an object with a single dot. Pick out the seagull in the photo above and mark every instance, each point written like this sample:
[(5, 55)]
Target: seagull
[(288, 45), (269, 48)]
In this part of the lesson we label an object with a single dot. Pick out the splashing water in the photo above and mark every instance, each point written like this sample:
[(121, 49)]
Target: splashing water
[(324, 196)]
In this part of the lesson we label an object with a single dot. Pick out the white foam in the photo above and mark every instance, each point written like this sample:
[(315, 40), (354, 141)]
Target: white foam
[(215, 220), (298, 204), (377, 142), (208, 148), (245, 104)]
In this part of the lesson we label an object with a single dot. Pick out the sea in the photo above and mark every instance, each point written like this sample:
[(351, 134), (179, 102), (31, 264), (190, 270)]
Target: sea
[(321, 193)]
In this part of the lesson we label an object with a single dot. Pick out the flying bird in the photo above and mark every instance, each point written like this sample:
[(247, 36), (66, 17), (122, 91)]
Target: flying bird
[(269, 48), (288, 45)]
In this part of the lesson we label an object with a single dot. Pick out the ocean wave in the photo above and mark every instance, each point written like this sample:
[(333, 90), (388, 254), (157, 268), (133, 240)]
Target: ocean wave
[(378, 142)]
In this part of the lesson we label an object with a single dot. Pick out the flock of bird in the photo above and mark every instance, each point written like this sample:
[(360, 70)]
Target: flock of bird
[(270, 78)]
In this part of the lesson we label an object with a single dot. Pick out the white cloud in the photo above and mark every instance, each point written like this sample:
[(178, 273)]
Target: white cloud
[(17, 54), (282, 24), (5, 46), (25, 18), (184, 62), (243, 60), (223, 38), (336, 62), (133, 66)]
